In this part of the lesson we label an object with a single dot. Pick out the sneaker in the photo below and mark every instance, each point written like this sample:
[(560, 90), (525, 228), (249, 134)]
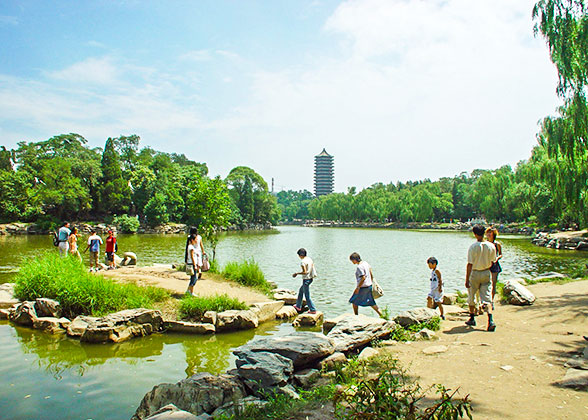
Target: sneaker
[(491, 326), (297, 309), (312, 312), (471, 322)]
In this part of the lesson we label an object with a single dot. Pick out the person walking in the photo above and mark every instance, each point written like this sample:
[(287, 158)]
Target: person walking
[(495, 269), (481, 255), (62, 237), (362, 295), (198, 249), (94, 242), (192, 262), (73, 243), (308, 274)]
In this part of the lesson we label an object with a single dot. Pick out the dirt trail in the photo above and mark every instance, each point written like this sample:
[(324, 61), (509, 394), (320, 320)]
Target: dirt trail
[(535, 341), (177, 282)]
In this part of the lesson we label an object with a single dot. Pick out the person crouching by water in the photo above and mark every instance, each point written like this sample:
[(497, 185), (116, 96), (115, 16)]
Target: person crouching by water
[(308, 274), (435, 297), (362, 295), (481, 255), (192, 262)]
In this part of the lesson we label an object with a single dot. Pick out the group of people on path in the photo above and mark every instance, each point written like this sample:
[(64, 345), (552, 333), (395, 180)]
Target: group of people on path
[(482, 269), (67, 244)]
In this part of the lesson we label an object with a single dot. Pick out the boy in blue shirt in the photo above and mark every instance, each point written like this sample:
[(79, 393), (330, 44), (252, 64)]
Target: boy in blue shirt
[(94, 242)]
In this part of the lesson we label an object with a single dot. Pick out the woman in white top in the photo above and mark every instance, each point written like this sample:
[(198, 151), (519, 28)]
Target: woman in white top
[(362, 295)]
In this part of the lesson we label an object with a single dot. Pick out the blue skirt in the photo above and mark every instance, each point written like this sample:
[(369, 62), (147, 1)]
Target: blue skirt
[(364, 297)]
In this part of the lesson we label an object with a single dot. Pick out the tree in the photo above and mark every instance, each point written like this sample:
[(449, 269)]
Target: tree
[(115, 192), (156, 210)]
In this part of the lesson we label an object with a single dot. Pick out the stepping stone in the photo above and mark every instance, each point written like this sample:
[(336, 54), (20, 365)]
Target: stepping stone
[(435, 349)]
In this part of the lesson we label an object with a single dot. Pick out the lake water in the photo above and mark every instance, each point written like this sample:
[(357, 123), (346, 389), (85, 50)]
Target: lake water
[(53, 377)]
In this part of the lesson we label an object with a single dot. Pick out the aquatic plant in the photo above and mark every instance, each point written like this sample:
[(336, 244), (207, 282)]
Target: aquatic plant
[(196, 306)]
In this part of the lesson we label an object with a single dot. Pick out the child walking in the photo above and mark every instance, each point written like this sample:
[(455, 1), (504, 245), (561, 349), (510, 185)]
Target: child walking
[(435, 297), (308, 274)]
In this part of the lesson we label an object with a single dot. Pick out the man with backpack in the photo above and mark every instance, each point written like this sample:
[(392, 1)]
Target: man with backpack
[(62, 239)]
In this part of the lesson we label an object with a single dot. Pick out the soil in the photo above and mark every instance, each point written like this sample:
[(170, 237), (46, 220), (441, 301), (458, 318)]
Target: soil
[(509, 373)]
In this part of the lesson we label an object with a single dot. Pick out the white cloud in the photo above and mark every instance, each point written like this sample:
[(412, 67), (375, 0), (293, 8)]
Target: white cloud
[(99, 71), (196, 55)]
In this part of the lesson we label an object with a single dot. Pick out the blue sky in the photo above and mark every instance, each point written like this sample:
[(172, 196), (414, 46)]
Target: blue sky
[(395, 89)]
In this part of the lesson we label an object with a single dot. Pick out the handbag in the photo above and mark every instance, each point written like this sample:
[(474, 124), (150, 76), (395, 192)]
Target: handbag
[(190, 270), (205, 263), (377, 290)]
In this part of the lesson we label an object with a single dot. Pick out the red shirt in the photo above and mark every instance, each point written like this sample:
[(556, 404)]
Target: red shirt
[(110, 241)]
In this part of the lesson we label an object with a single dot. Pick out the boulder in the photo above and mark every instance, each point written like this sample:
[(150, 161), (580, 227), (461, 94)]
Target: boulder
[(286, 312), (23, 314), (289, 297), (517, 294), (262, 370), (47, 308), (123, 325), (415, 316), (129, 258), (328, 324), (426, 334), (577, 363), (574, 378), (78, 326), (302, 347), (236, 320), (51, 324), (209, 317), (171, 412), (449, 298), (356, 331), (7, 298), (367, 353), (200, 393), (4, 313), (189, 327), (306, 377), (266, 311), (331, 361), (308, 319)]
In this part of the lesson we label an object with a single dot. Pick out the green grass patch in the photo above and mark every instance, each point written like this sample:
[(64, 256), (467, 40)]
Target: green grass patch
[(246, 273), (407, 334), (79, 292), (196, 306)]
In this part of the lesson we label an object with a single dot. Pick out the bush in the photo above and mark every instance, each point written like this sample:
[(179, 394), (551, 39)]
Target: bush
[(79, 292), (126, 223), (196, 306), (246, 273), (407, 334)]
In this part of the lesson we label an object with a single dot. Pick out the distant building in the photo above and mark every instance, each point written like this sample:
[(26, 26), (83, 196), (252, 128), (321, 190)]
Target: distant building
[(324, 174)]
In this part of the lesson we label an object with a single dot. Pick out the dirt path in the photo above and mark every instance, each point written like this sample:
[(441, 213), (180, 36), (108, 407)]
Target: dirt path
[(535, 341), (177, 282)]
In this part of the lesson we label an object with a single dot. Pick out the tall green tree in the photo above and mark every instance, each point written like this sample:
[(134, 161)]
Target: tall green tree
[(115, 193)]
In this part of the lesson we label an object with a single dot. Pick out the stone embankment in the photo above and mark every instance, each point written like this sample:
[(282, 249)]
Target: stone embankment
[(573, 241)]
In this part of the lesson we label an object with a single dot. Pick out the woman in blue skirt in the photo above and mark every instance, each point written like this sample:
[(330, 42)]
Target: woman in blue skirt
[(362, 295)]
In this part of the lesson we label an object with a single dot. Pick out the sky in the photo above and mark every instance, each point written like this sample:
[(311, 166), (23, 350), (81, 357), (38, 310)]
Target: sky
[(395, 90)]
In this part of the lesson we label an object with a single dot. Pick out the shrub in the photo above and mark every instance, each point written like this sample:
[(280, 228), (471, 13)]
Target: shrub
[(196, 306), (407, 334), (79, 292), (126, 223), (246, 273)]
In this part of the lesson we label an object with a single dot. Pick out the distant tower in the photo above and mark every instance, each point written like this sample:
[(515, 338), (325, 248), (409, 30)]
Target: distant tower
[(324, 174)]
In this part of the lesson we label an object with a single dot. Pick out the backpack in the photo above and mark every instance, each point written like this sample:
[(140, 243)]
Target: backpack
[(55, 239)]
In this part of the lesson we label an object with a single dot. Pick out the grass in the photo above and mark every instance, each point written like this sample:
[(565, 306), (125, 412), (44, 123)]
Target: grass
[(247, 273), (78, 291), (407, 334), (196, 306)]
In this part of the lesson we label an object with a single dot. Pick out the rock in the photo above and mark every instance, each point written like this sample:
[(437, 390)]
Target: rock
[(577, 363), (209, 317), (426, 334), (585, 353), (4, 313), (574, 378), (78, 326), (266, 311), (123, 325), (288, 391), (517, 294), (331, 361), (234, 408), (328, 324), (129, 258), (171, 412), (518, 280), (200, 393), (302, 347), (47, 308), (286, 312), (308, 320), (23, 314), (367, 353), (415, 316), (449, 298), (7, 299), (190, 327), (51, 324), (435, 349), (262, 370), (289, 297), (236, 320), (305, 378), (552, 275), (355, 331), (506, 368)]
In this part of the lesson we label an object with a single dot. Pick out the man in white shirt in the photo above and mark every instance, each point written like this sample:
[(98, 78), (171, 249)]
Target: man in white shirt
[(308, 274), (481, 255), (62, 237)]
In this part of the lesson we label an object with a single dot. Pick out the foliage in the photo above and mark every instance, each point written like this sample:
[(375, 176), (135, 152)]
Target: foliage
[(407, 334), (196, 306), (156, 210), (247, 273), (79, 292), (126, 223), (294, 204), (114, 191)]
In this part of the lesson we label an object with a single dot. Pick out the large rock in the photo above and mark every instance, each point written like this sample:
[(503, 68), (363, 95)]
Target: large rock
[(302, 347), (209, 317), (7, 299), (262, 370), (236, 320), (517, 294), (356, 331), (415, 316), (306, 377), (51, 324), (367, 353), (47, 308), (331, 361), (24, 314), (289, 297), (78, 326), (123, 325), (574, 378), (200, 393), (129, 258), (286, 312), (171, 412), (266, 311), (329, 323), (189, 327), (4, 313), (308, 320)]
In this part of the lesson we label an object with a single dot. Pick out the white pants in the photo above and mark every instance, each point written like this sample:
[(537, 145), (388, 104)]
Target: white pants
[(63, 248)]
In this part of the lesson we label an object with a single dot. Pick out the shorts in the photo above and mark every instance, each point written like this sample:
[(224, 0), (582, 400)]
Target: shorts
[(480, 281), (110, 256), (94, 258), (436, 295)]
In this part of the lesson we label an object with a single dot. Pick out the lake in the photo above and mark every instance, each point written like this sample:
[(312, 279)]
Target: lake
[(53, 377)]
